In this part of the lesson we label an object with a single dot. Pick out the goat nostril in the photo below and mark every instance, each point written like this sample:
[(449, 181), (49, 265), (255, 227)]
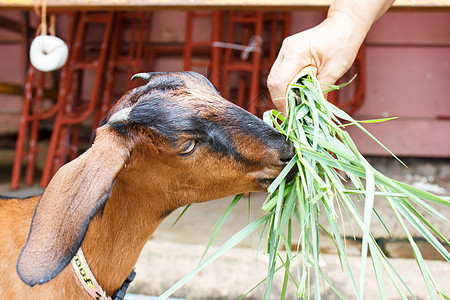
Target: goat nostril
[(287, 152)]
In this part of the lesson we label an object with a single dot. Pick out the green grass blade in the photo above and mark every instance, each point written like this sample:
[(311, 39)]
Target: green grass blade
[(233, 241), (181, 214), (368, 207), (220, 222), (378, 272), (331, 174), (341, 114), (274, 185), (415, 192)]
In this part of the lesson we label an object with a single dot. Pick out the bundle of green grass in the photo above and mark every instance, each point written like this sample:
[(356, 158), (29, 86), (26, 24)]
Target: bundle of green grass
[(331, 176)]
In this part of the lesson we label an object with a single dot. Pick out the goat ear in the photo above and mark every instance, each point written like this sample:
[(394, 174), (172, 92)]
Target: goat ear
[(65, 209)]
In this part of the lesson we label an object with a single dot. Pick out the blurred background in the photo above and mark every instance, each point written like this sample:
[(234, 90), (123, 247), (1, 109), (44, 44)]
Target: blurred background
[(47, 118)]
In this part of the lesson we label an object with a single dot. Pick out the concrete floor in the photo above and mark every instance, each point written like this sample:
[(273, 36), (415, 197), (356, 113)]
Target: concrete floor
[(175, 250)]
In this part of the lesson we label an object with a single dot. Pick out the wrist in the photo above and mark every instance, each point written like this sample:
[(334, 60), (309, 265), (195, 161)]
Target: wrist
[(351, 33), (362, 13), (349, 23)]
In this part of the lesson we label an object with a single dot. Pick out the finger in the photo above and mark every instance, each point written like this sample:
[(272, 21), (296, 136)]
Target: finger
[(325, 81), (274, 85), (281, 74)]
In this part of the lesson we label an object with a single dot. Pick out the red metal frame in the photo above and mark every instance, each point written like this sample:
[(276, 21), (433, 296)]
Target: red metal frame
[(250, 73), (279, 24), (251, 24), (74, 111), (129, 60), (249, 90), (32, 114), (64, 142), (71, 110), (192, 47)]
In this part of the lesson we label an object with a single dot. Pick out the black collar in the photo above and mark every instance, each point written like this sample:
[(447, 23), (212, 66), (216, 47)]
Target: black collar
[(120, 293)]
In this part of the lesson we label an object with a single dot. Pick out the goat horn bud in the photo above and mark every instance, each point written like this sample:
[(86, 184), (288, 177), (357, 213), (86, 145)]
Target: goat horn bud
[(121, 116), (143, 76)]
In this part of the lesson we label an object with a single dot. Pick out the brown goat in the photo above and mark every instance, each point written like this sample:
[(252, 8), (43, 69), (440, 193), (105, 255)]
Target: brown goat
[(165, 144)]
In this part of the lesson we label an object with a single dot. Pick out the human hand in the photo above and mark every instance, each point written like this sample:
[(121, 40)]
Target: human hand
[(330, 46)]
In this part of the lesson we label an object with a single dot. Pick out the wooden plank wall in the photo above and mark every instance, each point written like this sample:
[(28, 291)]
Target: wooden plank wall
[(408, 73)]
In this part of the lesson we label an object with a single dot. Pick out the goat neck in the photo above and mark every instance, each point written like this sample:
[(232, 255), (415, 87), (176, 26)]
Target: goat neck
[(118, 233)]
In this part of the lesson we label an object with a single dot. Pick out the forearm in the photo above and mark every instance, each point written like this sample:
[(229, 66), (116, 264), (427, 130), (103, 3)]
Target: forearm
[(362, 13)]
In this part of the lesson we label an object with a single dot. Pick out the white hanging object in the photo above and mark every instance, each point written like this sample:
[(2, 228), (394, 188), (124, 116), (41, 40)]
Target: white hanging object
[(48, 53)]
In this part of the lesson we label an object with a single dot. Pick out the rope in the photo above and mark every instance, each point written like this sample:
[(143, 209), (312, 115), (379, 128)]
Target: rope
[(254, 45), (41, 10)]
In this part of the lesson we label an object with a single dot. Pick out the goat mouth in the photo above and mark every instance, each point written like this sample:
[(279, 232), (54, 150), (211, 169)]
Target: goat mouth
[(265, 182), (292, 174)]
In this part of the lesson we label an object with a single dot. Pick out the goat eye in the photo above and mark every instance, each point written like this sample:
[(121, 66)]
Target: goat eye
[(188, 147)]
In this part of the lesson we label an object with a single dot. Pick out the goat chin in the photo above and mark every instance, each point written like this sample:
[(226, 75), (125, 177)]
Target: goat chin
[(165, 144)]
